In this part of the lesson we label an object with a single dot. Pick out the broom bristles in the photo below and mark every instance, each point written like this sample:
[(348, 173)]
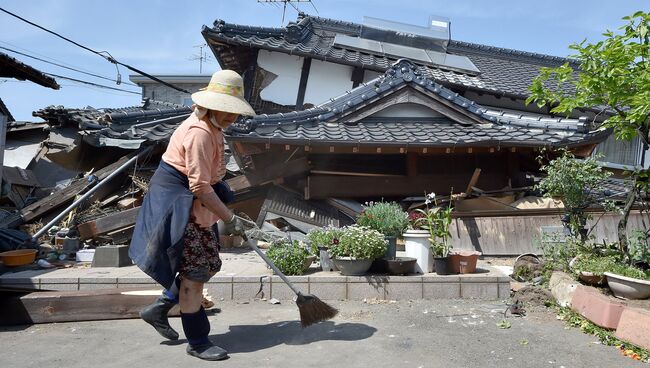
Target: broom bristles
[(313, 310)]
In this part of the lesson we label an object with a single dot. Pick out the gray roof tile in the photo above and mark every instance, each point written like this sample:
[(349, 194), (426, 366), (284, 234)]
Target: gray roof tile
[(502, 71), (497, 128)]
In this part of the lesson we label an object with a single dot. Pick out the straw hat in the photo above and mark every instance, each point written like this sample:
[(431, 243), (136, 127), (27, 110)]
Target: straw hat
[(224, 93)]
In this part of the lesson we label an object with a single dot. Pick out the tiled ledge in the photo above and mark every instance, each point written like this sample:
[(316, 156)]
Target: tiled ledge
[(327, 286)]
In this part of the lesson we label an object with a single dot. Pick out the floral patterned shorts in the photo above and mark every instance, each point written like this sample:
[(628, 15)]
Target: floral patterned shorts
[(201, 258)]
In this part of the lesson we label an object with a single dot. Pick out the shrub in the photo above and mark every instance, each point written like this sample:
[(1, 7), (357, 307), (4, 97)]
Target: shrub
[(437, 221), (386, 217), (288, 256), (639, 249), (359, 242), (324, 237)]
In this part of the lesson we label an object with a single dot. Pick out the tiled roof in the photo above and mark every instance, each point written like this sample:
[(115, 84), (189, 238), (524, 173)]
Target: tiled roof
[(327, 124), (502, 71), (118, 119), (5, 111), (12, 68)]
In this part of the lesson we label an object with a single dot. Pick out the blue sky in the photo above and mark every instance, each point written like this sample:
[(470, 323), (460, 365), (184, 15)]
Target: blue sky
[(158, 36)]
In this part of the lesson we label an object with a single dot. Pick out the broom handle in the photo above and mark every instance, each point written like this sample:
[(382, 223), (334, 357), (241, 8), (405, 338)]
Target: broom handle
[(267, 260)]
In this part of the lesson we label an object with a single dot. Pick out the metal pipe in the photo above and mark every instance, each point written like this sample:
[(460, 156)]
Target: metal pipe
[(89, 193)]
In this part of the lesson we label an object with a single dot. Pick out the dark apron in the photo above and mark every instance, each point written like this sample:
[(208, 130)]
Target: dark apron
[(157, 242)]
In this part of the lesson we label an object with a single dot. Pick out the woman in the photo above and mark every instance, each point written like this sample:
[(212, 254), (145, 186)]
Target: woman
[(174, 241)]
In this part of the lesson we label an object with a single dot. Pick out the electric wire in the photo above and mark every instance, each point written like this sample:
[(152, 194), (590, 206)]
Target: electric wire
[(91, 83), (66, 67), (103, 54)]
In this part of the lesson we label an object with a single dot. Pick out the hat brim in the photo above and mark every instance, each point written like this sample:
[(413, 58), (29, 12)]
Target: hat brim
[(222, 102)]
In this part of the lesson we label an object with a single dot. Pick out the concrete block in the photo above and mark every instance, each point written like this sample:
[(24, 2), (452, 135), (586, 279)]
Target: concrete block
[(364, 290), (280, 290), (634, 326), (98, 280), (562, 288), (480, 278), (220, 279), (112, 256), (441, 279), (248, 290), (504, 290), (479, 290), (328, 291), (327, 278), (600, 309), (219, 290), (86, 286), (404, 290), (136, 280), (60, 287), (441, 290)]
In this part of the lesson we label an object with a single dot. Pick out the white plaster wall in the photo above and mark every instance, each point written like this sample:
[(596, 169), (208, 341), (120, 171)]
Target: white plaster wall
[(370, 75), (160, 92), (327, 80), (407, 110), (284, 89)]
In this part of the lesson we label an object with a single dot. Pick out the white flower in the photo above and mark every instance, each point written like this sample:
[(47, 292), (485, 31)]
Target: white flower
[(427, 201), (431, 195)]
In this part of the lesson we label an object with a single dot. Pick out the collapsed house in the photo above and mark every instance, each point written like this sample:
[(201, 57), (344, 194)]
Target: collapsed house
[(347, 113)]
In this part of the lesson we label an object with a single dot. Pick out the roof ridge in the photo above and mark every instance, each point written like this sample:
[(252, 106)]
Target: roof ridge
[(404, 72), (503, 51)]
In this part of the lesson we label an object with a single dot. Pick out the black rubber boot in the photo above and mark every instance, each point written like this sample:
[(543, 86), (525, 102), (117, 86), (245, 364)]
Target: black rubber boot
[(207, 351), (197, 327), (156, 315)]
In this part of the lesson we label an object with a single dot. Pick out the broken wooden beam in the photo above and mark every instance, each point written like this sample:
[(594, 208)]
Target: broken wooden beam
[(71, 306), (106, 224)]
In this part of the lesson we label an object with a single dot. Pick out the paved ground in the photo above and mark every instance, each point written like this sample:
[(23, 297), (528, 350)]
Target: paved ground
[(404, 334)]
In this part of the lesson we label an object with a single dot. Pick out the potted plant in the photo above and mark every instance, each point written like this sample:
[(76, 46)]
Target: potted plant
[(628, 282), (389, 219), (591, 269), (437, 221), (463, 261), (358, 246), (416, 243), (321, 240), (291, 257)]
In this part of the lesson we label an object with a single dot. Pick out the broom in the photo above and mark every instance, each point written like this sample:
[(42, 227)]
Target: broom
[(312, 310)]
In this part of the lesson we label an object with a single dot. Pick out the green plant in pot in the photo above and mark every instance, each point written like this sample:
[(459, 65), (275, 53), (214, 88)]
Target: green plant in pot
[(437, 220), (389, 219), (291, 257), (358, 246), (321, 240)]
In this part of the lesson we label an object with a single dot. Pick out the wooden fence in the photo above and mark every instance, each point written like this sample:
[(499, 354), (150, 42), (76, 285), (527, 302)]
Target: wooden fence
[(514, 235)]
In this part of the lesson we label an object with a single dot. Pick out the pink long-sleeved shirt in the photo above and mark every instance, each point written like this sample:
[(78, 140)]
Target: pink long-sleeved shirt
[(196, 150)]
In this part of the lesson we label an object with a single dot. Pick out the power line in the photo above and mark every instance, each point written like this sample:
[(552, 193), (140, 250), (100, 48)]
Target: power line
[(91, 83), (66, 67), (109, 58), (42, 55)]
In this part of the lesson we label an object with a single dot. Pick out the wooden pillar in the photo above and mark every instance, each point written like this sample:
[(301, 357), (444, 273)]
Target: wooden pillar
[(411, 164), (302, 87), (3, 136), (249, 76), (357, 76)]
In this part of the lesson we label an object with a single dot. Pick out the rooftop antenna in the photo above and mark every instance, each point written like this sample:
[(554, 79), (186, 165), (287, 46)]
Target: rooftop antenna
[(201, 56), (287, 2)]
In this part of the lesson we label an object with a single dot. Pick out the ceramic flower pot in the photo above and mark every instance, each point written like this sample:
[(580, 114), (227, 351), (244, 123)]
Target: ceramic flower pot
[(308, 261), (463, 261), (326, 263), (416, 245), (442, 265), (627, 287), (400, 265), (353, 267)]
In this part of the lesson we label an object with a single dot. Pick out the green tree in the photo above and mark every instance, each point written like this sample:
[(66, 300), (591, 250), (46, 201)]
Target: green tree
[(614, 76)]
